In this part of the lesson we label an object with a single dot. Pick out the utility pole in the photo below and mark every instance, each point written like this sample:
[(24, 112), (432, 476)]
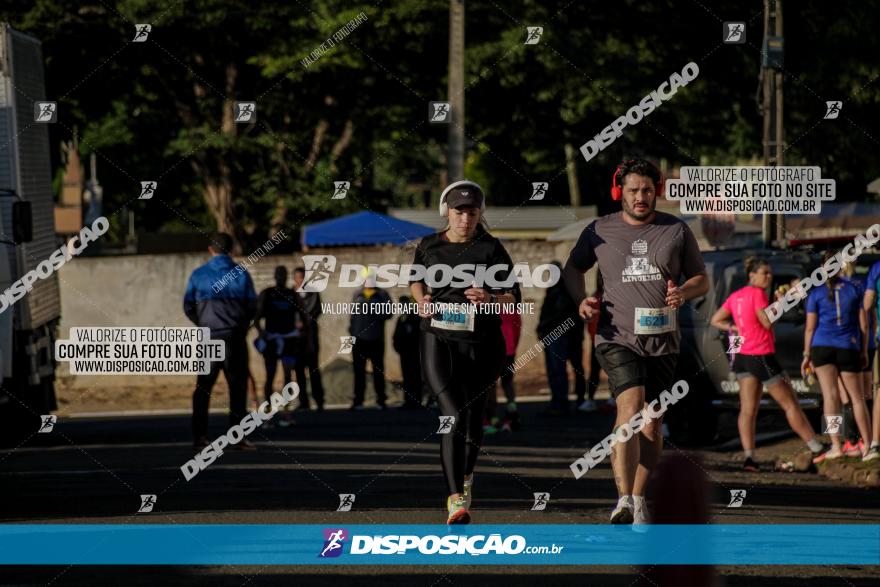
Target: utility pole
[(455, 91), (772, 57)]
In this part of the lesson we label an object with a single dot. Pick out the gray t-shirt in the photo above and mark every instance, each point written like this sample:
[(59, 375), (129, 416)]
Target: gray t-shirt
[(636, 261)]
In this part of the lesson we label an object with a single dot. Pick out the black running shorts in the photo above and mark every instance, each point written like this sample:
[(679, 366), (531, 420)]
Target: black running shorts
[(844, 359), (626, 369), (765, 367)]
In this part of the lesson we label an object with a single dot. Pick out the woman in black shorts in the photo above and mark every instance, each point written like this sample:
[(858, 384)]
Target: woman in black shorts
[(755, 363), (836, 343), (461, 351)]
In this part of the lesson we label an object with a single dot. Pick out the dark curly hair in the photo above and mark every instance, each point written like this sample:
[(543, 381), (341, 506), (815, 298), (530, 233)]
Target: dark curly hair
[(639, 167)]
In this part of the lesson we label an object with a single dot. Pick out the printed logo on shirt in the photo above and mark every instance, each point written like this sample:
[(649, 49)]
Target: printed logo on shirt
[(640, 247), (640, 269)]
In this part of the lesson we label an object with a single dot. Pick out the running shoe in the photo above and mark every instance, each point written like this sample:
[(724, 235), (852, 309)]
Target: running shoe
[(468, 491), (640, 512), (623, 513), (854, 450), (873, 453), (588, 406), (828, 456), (750, 465), (458, 513)]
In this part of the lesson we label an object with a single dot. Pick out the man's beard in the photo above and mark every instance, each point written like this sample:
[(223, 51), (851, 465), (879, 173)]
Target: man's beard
[(631, 211)]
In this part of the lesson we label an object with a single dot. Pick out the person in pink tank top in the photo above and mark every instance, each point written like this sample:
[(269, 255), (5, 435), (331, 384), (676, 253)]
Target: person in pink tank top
[(751, 342)]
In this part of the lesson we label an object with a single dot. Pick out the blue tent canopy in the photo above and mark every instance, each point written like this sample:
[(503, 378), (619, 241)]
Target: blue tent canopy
[(362, 228)]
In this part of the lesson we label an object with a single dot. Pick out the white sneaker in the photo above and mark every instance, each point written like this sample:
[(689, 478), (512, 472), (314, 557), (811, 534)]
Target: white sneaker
[(640, 511), (873, 453), (588, 406), (623, 513)]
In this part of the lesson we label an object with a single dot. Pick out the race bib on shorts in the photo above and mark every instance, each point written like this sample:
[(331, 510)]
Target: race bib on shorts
[(655, 320), (449, 320)]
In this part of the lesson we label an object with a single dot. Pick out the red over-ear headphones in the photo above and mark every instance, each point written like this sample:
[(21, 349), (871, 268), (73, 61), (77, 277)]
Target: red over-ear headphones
[(617, 189)]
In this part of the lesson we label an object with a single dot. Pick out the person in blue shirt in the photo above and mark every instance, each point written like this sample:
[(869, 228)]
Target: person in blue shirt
[(871, 306), (221, 296), (847, 273), (835, 343)]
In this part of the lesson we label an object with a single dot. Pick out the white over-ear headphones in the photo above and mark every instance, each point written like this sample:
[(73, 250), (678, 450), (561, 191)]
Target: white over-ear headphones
[(444, 209)]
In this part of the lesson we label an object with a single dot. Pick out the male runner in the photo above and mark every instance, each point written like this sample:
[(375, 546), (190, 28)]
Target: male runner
[(642, 255)]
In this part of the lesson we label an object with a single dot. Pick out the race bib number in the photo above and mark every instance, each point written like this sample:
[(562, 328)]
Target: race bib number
[(449, 320), (655, 320)]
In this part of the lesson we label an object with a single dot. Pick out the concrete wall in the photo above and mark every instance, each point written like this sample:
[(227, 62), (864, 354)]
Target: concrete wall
[(147, 290)]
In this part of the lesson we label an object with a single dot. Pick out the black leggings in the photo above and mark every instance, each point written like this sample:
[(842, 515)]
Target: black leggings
[(461, 375)]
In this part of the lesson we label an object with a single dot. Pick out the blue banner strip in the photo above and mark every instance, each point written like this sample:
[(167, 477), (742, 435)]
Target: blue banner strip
[(195, 544)]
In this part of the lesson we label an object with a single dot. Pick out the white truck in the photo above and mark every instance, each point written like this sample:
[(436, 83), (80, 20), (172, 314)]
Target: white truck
[(28, 327)]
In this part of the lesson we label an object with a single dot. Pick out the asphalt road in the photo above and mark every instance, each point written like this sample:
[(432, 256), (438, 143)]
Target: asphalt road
[(94, 470)]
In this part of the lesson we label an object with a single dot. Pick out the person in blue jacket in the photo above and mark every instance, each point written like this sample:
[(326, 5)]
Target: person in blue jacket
[(221, 296)]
